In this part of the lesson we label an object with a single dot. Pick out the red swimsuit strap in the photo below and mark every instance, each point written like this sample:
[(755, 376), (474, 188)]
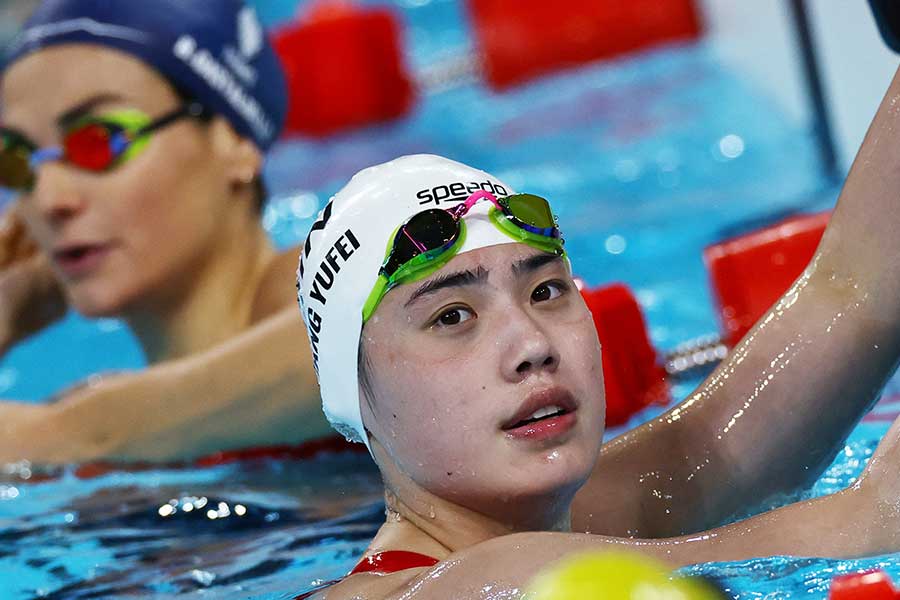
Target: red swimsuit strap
[(391, 561)]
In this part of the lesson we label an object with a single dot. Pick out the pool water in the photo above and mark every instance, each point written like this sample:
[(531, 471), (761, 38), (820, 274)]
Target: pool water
[(646, 160)]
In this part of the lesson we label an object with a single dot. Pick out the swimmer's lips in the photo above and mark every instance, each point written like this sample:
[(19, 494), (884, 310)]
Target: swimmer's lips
[(520, 426), (77, 260)]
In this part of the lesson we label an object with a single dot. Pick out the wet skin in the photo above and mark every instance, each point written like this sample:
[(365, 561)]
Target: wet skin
[(454, 367)]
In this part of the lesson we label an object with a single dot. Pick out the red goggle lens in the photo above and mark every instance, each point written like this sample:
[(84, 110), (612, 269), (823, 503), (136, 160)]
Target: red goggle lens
[(90, 147)]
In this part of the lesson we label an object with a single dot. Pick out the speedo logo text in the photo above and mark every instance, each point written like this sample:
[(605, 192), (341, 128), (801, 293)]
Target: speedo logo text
[(458, 191)]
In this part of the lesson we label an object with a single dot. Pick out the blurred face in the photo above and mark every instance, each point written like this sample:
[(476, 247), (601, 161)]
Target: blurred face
[(133, 236), (487, 379)]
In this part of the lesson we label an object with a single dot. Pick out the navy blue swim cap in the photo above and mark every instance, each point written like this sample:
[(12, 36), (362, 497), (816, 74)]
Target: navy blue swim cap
[(214, 50)]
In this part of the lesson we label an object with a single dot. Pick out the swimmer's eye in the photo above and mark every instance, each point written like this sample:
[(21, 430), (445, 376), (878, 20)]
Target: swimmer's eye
[(452, 316), (549, 290)]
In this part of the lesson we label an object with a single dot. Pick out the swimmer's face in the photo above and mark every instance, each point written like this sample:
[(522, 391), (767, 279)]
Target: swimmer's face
[(461, 360), (135, 236)]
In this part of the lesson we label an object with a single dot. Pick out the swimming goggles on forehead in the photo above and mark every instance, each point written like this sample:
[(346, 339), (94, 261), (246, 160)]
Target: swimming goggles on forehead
[(428, 240), (92, 143)]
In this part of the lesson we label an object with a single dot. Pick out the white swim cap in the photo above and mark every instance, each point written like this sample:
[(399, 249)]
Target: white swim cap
[(346, 247)]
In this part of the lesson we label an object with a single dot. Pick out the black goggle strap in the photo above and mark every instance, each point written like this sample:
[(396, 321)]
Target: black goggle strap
[(194, 110), (120, 137)]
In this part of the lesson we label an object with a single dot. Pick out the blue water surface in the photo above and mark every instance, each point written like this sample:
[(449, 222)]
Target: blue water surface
[(646, 159)]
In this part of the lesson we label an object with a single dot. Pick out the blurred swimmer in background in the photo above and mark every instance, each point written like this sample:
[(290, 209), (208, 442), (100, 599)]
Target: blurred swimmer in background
[(133, 134), (467, 362)]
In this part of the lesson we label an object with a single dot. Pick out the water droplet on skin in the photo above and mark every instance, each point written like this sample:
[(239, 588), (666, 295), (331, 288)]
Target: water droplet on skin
[(393, 516), (431, 513)]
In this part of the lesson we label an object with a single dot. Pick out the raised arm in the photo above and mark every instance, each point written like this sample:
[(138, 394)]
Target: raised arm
[(841, 525), (776, 411), (256, 389), (862, 520)]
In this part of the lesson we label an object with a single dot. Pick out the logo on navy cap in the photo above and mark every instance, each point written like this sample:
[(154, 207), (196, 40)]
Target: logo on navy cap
[(250, 33)]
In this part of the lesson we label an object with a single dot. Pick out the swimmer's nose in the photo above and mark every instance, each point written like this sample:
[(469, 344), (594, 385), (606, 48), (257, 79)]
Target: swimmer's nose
[(55, 195), (530, 351)]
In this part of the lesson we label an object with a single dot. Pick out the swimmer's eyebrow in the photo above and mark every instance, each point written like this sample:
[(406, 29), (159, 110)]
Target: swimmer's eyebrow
[(458, 279), (85, 107), (533, 263)]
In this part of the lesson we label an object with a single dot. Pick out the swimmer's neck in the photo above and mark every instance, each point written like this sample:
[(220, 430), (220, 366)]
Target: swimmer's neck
[(452, 528), (211, 303), (421, 521)]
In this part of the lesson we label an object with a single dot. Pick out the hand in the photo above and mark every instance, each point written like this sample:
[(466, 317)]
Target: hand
[(31, 297)]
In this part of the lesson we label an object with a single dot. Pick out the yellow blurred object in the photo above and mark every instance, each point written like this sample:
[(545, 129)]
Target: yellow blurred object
[(615, 576)]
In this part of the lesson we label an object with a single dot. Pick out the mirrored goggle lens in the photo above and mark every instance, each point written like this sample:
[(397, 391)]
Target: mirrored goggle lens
[(90, 147), (425, 231), (530, 209), (15, 171)]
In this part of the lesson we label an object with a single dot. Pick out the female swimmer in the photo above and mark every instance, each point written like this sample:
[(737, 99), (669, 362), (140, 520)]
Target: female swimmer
[(134, 135), (477, 391)]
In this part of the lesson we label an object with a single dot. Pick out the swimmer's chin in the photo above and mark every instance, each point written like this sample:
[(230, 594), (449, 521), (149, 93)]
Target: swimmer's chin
[(91, 304)]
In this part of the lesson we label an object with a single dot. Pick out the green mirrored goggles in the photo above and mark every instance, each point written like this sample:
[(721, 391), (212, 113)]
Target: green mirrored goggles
[(428, 240)]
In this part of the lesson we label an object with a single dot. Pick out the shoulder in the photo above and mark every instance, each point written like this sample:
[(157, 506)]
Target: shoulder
[(278, 286)]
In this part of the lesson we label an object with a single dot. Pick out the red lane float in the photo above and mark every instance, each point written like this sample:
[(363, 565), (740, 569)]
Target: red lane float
[(345, 63), (868, 585), (632, 375), (306, 450), (750, 272), (521, 40), (344, 68)]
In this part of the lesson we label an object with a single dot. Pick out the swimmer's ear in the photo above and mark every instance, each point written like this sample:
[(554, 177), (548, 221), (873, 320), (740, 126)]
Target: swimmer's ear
[(241, 157)]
